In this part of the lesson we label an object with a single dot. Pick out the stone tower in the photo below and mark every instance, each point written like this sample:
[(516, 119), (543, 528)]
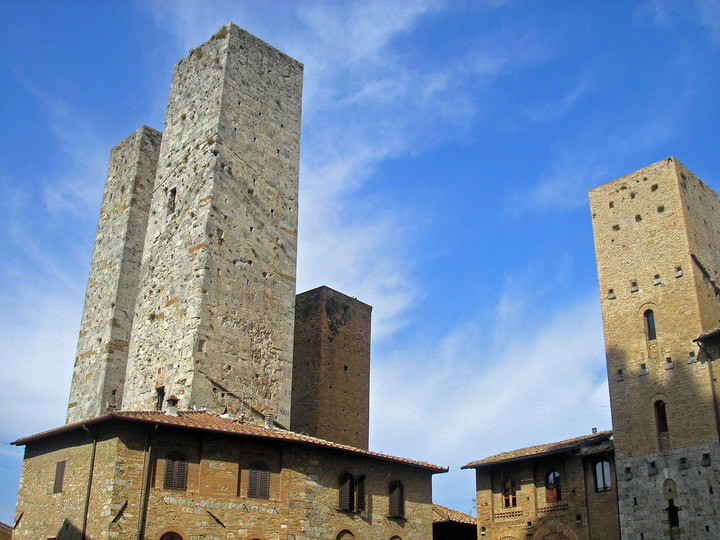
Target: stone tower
[(99, 373), (213, 218), (657, 243), (331, 367)]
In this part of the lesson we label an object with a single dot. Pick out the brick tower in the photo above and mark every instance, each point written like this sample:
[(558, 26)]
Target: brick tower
[(331, 367), (99, 373), (657, 243)]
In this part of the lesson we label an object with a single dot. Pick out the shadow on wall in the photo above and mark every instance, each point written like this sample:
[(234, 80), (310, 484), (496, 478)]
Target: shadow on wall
[(68, 531)]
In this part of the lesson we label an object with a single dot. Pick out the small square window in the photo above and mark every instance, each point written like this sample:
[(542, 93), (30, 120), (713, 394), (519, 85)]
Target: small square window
[(652, 468), (678, 272), (656, 280), (611, 295), (634, 287)]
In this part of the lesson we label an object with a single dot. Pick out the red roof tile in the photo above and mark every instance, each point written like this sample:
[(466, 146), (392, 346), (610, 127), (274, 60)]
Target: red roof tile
[(204, 421), (442, 514), (569, 445)]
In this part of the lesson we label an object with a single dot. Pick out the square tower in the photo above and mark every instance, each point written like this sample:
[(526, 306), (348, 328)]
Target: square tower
[(657, 243), (331, 367), (214, 317)]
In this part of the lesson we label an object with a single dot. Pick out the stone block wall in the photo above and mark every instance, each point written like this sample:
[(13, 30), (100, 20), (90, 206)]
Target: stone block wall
[(581, 513), (99, 372), (303, 495), (214, 319), (657, 245), (331, 367)]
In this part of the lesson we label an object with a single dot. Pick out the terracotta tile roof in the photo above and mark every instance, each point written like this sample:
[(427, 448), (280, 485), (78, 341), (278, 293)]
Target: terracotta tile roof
[(442, 514), (708, 334), (208, 422), (599, 442)]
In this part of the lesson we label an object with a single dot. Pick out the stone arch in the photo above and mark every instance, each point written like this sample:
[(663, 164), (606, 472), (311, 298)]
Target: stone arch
[(554, 531), (345, 535), (669, 489)]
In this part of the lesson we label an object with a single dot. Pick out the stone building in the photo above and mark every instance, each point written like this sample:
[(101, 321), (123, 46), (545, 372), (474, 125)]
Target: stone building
[(563, 490), (195, 357), (450, 524), (196, 475), (657, 242)]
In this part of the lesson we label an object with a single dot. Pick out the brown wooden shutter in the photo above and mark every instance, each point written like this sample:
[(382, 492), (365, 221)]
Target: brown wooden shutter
[(396, 499), (259, 480), (360, 494), (176, 469), (346, 489), (59, 476)]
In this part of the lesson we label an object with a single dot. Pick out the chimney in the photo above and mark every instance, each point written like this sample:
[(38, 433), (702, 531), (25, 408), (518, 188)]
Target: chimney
[(172, 402), (269, 421), (594, 430)]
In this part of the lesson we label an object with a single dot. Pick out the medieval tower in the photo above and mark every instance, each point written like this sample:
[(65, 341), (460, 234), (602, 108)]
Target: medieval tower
[(657, 243), (192, 284)]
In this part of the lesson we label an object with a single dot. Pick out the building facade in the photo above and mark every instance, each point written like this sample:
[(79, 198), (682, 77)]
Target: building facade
[(657, 242), (560, 491), (195, 475)]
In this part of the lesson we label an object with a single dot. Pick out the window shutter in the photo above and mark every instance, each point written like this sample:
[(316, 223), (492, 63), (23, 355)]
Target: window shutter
[(259, 481), (396, 499), (346, 489), (360, 494), (59, 476), (176, 469)]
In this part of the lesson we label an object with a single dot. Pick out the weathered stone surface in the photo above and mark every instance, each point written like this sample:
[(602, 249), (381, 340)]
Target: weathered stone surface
[(331, 367), (303, 488), (99, 373), (657, 242), (214, 319)]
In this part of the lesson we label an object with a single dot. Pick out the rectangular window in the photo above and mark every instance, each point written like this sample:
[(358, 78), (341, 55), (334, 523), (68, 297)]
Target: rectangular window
[(59, 476)]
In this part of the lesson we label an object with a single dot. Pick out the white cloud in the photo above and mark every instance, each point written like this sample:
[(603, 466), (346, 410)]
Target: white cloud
[(484, 390)]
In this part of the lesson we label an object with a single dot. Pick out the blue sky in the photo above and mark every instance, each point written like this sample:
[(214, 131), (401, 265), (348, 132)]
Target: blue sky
[(447, 149)]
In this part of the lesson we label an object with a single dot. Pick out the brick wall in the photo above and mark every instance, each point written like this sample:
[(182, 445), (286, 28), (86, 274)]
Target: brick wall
[(331, 367)]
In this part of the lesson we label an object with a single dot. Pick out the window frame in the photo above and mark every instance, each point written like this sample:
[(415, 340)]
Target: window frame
[(650, 327), (603, 481), (346, 492), (58, 482), (509, 493), (176, 471), (553, 494), (396, 500), (258, 480)]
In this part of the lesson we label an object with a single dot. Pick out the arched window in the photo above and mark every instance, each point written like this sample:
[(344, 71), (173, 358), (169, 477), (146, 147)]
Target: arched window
[(602, 476), (344, 535), (552, 487), (509, 493), (259, 480), (650, 324), (347, 492), (661, 416), (396, 499), (171, 536), (176, 467)]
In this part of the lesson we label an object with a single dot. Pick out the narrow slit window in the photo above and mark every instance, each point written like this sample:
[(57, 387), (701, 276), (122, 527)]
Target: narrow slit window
[(661, 417), (172, 193), (650, 325), (360, 493)]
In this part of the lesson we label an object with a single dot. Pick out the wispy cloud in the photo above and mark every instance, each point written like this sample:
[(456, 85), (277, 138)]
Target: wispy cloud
[(493, 388)]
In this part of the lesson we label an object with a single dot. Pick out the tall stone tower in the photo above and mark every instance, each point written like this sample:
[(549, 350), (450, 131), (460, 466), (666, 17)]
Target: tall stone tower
[(99, 373), (214, 317), (331, 367), (657, 243), (192, 285)]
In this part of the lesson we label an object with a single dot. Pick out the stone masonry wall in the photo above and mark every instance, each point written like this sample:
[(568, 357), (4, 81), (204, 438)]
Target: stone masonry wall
[(99, 373), (303, 501), (215, 310), (652, 228), (535, 517), (331, 367)]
